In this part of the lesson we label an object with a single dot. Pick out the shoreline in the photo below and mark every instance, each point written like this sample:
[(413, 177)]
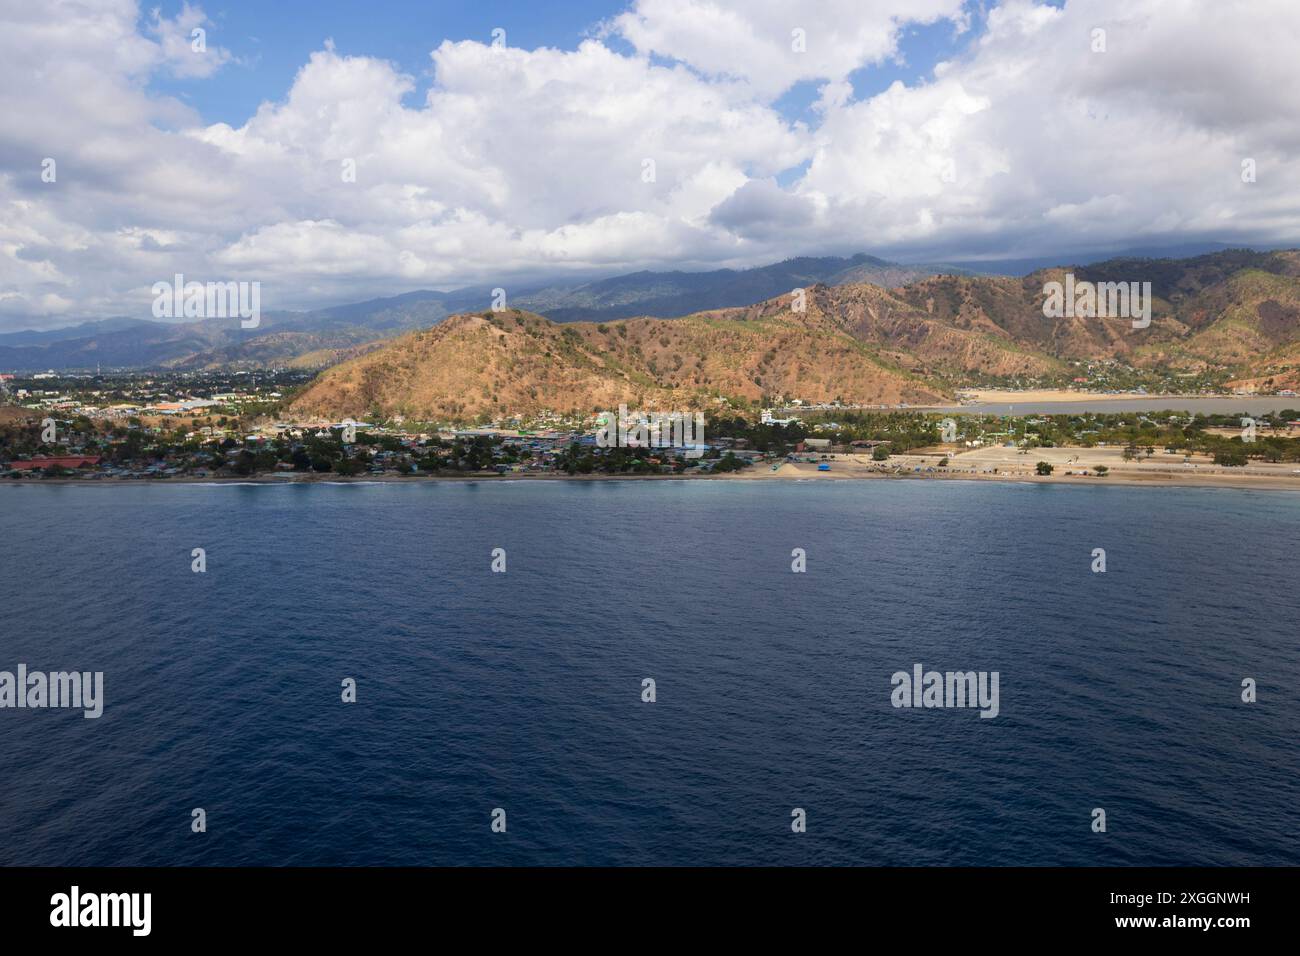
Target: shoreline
[(1148, 480)]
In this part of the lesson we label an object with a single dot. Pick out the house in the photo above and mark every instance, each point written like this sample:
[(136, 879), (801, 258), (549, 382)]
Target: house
[(65, 461)]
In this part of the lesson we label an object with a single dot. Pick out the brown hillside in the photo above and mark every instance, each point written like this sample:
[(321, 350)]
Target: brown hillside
[(515, 362), (856, 343)]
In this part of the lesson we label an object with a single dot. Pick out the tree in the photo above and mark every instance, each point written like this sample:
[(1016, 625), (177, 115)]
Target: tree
[(879, 453), (1102, 471), (1044, 468), (729, 462), (1232, 456)]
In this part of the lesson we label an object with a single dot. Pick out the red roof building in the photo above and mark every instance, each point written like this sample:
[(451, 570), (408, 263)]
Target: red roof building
[(65, 461)]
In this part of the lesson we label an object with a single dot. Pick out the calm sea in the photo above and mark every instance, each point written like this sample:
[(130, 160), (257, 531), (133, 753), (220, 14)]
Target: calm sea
[(522, 691)]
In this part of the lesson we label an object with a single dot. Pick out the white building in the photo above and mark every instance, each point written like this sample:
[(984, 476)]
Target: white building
[(767, 419)]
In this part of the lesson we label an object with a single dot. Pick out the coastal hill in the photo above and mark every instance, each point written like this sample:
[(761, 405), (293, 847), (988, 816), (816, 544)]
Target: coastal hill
[(1237, 309), (1232, 308), (515, 362), (906, 329), (859, 343)]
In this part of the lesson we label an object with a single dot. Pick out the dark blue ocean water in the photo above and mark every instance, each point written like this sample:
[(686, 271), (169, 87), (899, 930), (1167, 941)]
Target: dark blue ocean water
[(523, 690)]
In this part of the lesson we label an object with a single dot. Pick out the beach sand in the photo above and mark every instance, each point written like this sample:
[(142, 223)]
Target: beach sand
[(1009, 464)]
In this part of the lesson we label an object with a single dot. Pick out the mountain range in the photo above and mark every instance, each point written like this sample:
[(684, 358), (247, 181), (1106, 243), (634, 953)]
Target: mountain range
[(325, 336), (870, 331), (856, 342)]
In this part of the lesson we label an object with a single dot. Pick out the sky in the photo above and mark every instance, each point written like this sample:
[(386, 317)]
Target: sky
[(338, 151)]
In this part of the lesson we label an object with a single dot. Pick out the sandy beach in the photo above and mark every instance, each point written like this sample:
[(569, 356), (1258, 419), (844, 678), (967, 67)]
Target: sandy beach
[(1069, 464)]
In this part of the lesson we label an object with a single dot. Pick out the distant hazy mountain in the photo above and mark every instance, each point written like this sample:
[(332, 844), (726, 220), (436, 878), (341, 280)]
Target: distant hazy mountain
[(670, 294), (1023, 267), (82, 331), (137, 344)]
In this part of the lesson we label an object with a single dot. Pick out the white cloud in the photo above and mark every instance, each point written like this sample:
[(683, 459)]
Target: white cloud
[(518, 164), (182, 46), (773, 44), (1051, 146)]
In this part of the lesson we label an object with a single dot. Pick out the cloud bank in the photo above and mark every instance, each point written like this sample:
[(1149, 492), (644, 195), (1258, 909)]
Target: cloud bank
[(659, 142)]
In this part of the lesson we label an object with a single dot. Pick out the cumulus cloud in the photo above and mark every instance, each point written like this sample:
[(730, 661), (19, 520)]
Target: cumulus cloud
[(760, 208), (656, 143), (182, 43), (1044, 139), (773, 44)]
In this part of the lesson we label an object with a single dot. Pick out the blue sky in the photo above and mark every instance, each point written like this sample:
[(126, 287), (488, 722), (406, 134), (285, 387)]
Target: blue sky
[(272, 41)]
